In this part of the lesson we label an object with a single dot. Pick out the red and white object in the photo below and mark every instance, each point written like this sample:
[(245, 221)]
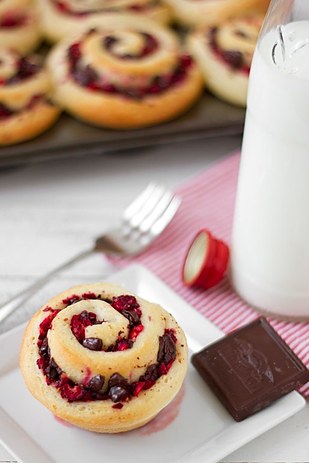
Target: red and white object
[(206, 261)]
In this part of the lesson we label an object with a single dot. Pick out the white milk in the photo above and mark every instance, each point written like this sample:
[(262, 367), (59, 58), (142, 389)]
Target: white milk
[(270, 244)]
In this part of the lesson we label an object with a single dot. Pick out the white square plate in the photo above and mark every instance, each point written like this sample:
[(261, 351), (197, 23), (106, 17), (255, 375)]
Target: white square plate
[(194, 428)]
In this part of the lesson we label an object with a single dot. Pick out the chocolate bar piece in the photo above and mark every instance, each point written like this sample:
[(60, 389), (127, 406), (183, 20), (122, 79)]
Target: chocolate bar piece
[(250, 368)]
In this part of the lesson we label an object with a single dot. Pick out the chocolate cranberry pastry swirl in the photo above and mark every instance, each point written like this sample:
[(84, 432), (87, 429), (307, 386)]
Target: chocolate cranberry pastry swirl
[(130, 73), (213, 12), (25, 109), (69, 15), (19, 25), (224, 54), (103, 359)]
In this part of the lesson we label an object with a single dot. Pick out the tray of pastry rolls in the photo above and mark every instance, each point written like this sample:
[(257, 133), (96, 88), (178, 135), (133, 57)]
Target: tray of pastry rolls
[(121, 75), (70, 137)]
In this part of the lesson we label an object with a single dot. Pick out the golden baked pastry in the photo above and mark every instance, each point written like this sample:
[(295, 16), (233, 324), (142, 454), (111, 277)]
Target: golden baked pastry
[(9, 5), (103, 359), (19, 26), (70, 15), (25, 109), (124, 73), (224, 54), (212, 12)]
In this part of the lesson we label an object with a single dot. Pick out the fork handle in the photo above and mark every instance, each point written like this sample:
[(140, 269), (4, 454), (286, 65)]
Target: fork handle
[(8, 307)]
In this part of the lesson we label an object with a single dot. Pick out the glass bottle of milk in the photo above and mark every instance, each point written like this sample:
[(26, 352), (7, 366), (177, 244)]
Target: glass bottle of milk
[(270, 239)]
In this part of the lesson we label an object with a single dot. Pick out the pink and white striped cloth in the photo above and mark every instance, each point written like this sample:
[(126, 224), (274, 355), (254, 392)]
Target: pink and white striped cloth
[(208, 202)]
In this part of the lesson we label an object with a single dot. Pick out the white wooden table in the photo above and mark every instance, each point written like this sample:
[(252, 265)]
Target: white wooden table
[(50, 211)]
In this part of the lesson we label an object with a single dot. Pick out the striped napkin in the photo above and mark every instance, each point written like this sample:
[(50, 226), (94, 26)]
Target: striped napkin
[(208, 201)]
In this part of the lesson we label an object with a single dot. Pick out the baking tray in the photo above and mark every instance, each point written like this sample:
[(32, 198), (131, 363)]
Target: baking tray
[(69, 137)]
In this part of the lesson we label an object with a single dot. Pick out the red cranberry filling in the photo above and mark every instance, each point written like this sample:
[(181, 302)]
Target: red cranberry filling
[(11, 20), (126, 304), (87, 77), (233, 58), (139, 8), (76, 298), (150, 45), (118, 389), (65, 9), (46, 324), (80, 322), (6, 112), (129, 308)]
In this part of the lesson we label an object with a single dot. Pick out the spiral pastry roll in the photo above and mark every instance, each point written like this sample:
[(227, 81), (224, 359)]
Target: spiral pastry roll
[(132, 77), (70, 15), (103, 359), (213, 12), (19, 26), (224, 54), (25, 109)]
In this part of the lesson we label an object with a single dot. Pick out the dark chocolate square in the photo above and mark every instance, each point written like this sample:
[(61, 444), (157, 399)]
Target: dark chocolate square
[(250, 368)]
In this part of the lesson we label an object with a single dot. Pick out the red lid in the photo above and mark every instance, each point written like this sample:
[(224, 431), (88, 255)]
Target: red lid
[(206, 261)]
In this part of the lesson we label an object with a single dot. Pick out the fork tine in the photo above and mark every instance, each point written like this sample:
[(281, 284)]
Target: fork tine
[(159, 209), (137, 203), (146, 207), (166, 217)]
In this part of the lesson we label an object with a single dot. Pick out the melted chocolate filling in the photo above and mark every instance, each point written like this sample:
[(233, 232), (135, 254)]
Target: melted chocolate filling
[(11, 20)]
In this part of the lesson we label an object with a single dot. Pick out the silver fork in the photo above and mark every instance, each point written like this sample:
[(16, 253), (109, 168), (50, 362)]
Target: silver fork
[(142, 221)]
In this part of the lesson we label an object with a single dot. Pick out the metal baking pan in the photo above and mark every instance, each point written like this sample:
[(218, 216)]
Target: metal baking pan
[(69, 137)]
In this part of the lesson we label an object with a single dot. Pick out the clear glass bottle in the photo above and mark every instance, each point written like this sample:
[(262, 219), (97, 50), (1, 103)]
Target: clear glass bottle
[(270, 241)]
